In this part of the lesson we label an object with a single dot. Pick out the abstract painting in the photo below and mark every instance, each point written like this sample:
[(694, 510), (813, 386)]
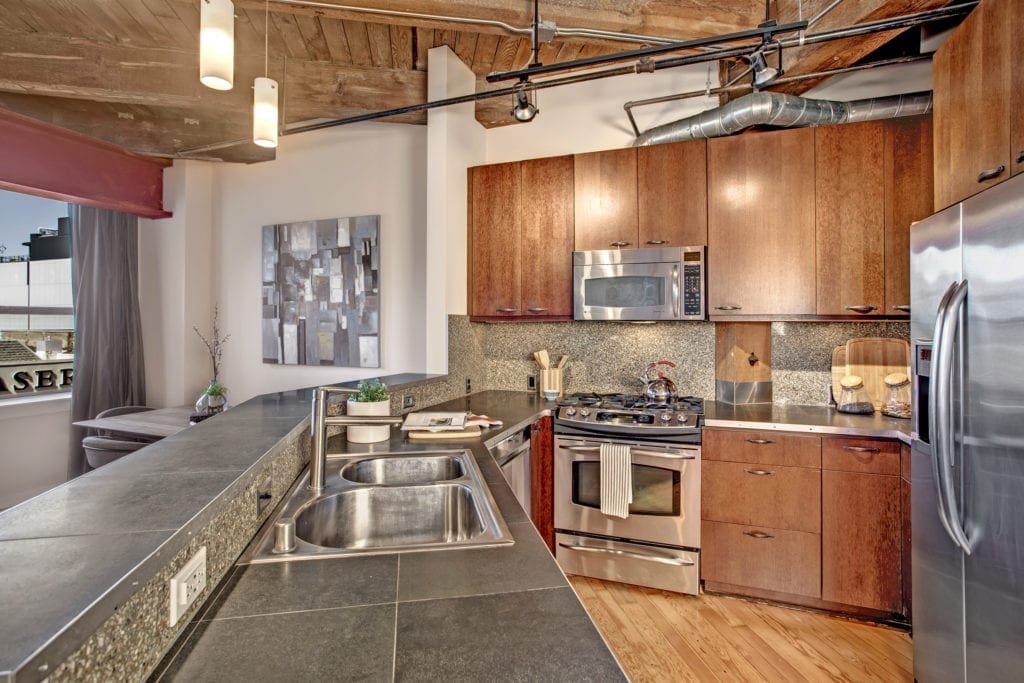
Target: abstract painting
[(321, 292)]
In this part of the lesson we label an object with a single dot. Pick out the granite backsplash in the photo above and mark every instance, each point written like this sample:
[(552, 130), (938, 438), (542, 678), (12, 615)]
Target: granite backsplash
[(609, 356)]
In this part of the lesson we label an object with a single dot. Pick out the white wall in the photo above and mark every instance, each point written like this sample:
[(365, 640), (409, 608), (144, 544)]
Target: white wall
[(35, 448), (355, 170)]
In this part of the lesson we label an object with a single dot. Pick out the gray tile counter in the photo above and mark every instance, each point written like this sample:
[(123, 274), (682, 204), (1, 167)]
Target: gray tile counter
[(812, 419)]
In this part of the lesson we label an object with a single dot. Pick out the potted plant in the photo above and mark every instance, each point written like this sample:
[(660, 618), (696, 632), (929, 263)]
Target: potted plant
[(372, 399), (214, 398)]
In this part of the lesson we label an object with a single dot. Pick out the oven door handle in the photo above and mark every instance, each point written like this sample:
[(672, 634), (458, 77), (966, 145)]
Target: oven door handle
[(650, 557), (632, 451)]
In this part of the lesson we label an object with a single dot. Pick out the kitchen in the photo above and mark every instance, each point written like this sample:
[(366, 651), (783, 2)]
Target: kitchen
[(777, 278)]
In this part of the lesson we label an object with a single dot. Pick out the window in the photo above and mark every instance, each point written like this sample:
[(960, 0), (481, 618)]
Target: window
[(36, 318)]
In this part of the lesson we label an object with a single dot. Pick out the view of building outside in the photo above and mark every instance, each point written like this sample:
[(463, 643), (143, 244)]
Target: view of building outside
[(36, 319)]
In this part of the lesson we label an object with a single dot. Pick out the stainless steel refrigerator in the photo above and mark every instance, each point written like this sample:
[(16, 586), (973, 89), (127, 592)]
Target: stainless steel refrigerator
[(967, 334)]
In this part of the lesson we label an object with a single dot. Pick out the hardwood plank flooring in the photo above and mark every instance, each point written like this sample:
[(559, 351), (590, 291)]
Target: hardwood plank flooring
[(662, 636)]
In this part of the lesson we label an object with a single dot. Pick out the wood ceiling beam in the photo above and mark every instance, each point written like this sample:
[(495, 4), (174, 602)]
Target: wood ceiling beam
[(681, 19)]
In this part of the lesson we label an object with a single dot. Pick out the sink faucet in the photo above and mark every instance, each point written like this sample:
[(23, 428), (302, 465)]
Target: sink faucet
[(319, 421)]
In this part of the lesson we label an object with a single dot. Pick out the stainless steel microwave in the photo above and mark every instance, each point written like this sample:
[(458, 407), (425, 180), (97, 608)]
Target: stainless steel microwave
[(639, 284)]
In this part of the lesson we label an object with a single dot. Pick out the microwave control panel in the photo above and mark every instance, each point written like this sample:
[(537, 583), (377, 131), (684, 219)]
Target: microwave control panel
[(692, 285)]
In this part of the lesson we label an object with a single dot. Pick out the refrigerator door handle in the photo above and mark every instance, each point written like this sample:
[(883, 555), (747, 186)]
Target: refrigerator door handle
[(934, 401), (945, 435)]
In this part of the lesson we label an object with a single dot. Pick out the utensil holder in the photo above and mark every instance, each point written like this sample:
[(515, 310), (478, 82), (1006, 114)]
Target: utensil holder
[(550, 380)]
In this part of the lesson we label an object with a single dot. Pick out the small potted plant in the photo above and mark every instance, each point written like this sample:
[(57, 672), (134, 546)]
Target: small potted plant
[(214, 398), (372, 399)]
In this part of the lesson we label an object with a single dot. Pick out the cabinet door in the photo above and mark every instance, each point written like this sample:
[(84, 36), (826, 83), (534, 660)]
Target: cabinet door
[(905, 546), (769, 559), (860, 538), (672, 194), (849, 201), (909, 197), (761, 224), (971, 80), (1017, 95), (494, 240), (547, 236), (605, 199), (542, 473)]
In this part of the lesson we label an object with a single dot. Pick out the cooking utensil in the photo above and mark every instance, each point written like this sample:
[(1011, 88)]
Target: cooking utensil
[(659, 389), (562, 361), (543, 360)]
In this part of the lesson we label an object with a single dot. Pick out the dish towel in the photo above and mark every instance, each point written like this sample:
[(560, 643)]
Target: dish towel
[(616, 480)]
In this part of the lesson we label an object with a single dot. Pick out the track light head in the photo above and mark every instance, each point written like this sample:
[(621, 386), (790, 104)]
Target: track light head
[(763, 74), (525, 110)]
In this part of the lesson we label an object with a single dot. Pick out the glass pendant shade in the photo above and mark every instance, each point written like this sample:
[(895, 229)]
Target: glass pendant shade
[(217, 44), (264, 112)]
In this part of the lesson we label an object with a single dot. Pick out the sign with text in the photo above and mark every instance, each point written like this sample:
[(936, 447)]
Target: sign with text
[(17, 380)]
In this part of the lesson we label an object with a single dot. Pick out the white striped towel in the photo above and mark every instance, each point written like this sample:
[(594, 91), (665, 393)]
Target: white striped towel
[(616, 480)]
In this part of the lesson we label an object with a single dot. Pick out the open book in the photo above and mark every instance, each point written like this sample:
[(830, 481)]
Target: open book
[(434, 422)]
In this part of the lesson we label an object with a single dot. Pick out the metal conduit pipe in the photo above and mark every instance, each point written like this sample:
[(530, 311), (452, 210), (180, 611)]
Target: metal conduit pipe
[(783, 111)]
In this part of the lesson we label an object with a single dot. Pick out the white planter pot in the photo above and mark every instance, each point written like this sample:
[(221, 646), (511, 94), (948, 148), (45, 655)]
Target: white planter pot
[(356, 434)]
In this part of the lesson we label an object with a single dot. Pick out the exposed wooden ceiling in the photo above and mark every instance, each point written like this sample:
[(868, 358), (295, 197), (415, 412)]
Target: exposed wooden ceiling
[(126, 71)]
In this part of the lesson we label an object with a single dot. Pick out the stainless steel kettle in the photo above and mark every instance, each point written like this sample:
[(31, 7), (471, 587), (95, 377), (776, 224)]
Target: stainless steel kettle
[(660, 389)]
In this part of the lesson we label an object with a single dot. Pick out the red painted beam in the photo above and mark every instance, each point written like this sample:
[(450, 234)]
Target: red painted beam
[(42, 159)]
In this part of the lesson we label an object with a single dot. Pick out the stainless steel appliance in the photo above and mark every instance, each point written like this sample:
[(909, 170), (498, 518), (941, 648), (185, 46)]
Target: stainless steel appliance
[(513, 456), (967, 327), (658, 544), (639, 284)]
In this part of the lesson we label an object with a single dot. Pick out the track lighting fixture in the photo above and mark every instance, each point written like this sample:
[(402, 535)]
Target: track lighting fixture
[(763, 74), (525, 110)]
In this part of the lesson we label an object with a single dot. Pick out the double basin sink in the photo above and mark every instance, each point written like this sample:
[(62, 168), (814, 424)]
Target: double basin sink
[(386, 502)]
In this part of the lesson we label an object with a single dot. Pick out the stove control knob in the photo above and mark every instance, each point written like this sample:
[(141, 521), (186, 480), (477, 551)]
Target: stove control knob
[(570, 411), (666, 417), (682, 418), (584, 412)]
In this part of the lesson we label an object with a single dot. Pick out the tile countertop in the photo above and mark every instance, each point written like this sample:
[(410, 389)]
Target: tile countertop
[(813, 419), (472, 614)]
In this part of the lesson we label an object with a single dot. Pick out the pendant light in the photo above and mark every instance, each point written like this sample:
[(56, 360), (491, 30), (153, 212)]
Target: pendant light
[(217, 44), (264, 96)]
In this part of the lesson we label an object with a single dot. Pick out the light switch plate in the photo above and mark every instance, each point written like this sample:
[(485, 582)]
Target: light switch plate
[(408, 401), (186, 585)]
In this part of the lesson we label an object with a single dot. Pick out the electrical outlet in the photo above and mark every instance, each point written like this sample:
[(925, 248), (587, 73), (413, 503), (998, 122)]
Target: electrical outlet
[(469, 386), (187, 584), (531, 382), (408, 401)]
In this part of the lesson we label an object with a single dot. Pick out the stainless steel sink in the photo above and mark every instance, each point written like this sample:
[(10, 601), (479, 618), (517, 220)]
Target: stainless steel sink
[(414, 469), (385, 503)]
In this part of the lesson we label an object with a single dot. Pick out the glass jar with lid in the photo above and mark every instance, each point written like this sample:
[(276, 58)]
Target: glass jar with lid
[(897, 395), (854, 397)]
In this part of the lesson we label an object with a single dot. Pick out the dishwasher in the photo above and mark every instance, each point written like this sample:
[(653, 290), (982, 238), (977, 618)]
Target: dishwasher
[(513, 456)]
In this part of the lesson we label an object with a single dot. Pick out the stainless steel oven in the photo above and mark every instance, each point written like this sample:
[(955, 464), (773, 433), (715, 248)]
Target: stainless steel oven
[(658, 543), (639, 284)]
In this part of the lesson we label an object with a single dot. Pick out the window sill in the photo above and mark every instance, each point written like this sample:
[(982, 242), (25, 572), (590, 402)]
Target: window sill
[(36, 404)]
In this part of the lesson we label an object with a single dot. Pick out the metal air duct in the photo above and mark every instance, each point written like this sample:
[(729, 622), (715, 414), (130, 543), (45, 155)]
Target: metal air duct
[(783, 111)]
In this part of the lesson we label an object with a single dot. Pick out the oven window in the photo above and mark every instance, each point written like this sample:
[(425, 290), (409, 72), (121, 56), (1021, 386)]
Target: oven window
[(655, 489), (624, 291)]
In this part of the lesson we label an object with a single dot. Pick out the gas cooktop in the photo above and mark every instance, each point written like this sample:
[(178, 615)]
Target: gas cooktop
[(629, 415)]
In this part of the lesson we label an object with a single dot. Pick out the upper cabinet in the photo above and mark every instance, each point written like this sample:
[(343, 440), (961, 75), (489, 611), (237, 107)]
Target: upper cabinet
[(973, 79), (672, 197), (761, 224), (606, 200), (521, 240), (850, 184)]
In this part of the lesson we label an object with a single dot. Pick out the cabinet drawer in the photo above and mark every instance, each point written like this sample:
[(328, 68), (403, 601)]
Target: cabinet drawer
[(869, 456), (770, 495), (761, 557), (761, 447)]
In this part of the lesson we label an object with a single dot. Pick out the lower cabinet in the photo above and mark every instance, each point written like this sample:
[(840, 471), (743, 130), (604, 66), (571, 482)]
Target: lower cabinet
[(776, 560), (542, 477)]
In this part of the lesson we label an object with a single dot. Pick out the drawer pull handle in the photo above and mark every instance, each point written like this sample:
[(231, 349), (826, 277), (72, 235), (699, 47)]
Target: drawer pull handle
[(757, 534), (902, 307), (619, 245), (862, 309), (649, 557), (728, 308), (507, 310), (537, 309), (991, 173), (1020, 157), (657, 242), (761, 473), (861, 449), (760, 442)]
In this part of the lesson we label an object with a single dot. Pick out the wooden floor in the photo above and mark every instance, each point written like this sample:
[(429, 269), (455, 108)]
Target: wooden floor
[(661, 636)]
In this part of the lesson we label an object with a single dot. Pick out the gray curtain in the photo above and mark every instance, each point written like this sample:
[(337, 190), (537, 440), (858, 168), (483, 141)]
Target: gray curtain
[(109, 369)]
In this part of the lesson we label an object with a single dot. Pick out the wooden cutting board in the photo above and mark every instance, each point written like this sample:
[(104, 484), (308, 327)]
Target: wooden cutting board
[(872, 358), (838, 370), (467, 433)]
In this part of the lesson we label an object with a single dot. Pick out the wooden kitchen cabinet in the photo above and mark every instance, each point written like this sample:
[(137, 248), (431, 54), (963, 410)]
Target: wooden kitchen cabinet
[(767, 495), (1016, 93), (909, 197), (973, 75), (861, 525), (521, 240), (776, 560), (850, 209), (761, 206), (542, 479), (606, 200), (495, 234), (672, 195), (547, 237), (905, 542)]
